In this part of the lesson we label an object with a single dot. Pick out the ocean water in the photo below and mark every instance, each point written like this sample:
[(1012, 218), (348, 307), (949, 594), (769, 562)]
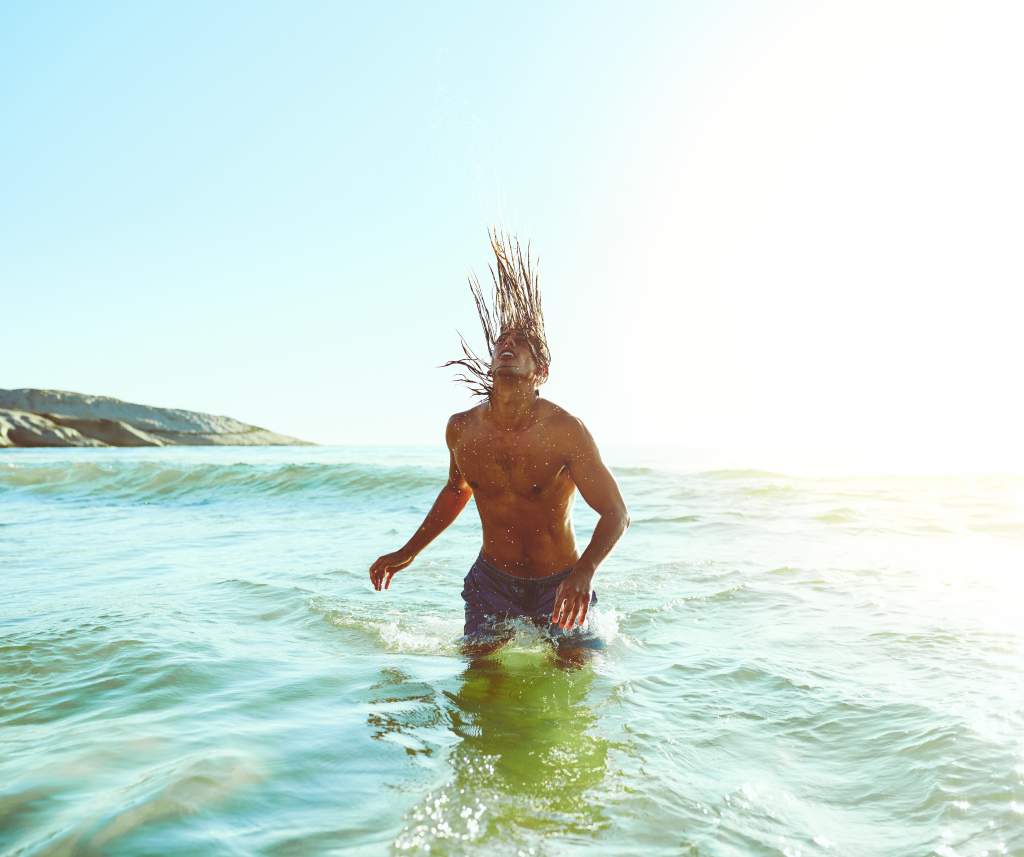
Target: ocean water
[(193, 661)]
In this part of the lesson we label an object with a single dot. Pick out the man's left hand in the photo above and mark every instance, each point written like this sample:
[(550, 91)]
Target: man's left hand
[(572, 600)]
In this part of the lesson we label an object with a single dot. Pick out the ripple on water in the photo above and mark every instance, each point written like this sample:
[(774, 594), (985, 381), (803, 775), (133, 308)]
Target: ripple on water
[(395, 629), (175, 790), (403, 631)]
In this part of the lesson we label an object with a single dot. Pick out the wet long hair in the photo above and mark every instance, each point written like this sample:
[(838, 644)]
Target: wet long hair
[(515, 305)]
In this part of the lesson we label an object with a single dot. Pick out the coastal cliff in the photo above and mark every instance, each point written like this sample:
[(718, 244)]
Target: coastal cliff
[(58, 418)]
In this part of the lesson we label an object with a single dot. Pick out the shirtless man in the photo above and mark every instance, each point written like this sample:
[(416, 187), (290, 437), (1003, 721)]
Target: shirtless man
[(523, 458)]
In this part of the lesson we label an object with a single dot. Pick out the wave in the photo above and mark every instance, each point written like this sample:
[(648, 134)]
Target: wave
[(165, 792), (842, 515), (405, 632), (159, 481), (633, 471), (668, 519), (740, 473), (722, 474)]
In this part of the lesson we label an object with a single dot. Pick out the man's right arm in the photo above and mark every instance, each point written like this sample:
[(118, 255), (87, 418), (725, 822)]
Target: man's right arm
[(449, 503)]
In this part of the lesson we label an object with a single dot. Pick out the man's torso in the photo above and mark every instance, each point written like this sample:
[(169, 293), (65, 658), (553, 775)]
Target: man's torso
[(523, 489)]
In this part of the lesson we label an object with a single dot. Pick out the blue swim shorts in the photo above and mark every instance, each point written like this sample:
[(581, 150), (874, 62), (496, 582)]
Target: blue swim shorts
[(494, 597)]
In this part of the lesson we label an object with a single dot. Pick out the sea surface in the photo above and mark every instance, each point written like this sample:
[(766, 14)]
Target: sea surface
[(193, 661)]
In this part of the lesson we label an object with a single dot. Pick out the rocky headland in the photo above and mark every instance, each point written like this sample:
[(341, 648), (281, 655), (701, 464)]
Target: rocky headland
[(58, 418)]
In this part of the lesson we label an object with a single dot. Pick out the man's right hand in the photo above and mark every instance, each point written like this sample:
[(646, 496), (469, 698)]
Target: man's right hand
[(387, 567)]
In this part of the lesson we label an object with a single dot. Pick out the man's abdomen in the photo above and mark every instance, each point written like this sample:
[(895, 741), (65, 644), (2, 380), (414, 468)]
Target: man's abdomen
[(526, 541)]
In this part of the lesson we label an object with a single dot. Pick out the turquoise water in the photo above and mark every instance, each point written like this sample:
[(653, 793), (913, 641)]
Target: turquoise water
[(193, 661)]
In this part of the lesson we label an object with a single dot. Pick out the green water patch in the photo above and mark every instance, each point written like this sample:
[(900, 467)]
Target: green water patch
[(527, 765)]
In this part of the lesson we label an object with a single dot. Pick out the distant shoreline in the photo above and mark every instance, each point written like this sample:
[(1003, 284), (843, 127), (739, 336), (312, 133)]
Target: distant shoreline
[(34, 418)]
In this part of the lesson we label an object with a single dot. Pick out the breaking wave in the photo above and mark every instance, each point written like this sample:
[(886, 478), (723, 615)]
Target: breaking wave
[(159, 481)]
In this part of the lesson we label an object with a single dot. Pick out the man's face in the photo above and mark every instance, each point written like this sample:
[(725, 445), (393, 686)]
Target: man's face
[(514, 357)]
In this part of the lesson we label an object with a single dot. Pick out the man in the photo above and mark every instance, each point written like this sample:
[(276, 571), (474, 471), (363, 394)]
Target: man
[(522, 458)]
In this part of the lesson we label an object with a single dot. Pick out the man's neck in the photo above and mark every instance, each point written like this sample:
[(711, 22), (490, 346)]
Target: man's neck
[(512, 403)]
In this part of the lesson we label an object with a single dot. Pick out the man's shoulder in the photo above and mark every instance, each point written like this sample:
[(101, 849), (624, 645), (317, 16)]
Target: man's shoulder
[(558, 419), (457, 422), (551, 411), (463, 417)]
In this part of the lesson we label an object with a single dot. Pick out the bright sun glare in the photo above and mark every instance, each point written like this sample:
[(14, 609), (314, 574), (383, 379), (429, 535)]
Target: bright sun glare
[(828, 242)]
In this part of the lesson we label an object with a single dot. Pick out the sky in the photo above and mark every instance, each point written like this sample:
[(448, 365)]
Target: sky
[(781, 235)]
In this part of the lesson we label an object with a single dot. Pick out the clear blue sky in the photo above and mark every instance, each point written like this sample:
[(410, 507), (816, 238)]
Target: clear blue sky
[(269, 210)]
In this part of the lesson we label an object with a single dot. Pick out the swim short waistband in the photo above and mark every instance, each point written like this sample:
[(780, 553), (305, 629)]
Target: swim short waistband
[(548, 578)]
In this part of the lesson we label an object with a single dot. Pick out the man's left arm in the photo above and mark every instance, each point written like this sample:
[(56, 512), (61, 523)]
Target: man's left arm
[(600, 491)]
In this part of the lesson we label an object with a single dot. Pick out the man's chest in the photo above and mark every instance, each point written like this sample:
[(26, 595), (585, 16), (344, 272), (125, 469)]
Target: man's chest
[(526, 463)]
